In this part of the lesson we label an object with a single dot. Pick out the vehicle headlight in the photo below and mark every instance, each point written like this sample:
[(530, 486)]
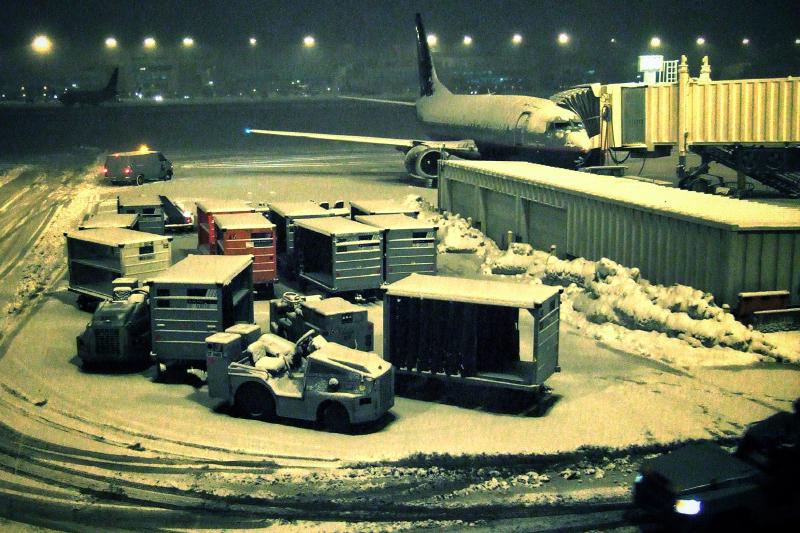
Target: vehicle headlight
[(688, 507)]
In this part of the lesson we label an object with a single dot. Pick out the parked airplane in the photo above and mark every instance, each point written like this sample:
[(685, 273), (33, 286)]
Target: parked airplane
[(477, 126), (109, 92)]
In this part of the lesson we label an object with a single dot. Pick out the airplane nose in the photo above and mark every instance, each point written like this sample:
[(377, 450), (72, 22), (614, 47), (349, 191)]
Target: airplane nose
[(580, 140)]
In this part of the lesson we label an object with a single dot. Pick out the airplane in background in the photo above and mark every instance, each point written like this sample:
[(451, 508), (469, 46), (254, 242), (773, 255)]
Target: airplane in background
[(96, 97), (496, 127)]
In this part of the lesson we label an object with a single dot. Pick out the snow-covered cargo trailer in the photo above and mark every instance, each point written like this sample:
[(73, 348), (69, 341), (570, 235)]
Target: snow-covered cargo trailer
[(339, 255), (148, 208), (477, 332), (194, 298), (285, 215), (110, 220), (96, 257), (249, 234), (206, 211), (381, 207), (409, 245)]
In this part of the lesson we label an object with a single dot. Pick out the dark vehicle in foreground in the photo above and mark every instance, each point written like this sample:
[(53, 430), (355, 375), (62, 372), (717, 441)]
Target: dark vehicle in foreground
[(703, 487)]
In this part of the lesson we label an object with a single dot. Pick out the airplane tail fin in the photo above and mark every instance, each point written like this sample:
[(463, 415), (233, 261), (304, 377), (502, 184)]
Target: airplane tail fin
[(428, 81), (112, 83)]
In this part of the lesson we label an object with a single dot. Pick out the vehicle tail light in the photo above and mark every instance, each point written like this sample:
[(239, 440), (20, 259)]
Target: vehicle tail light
[(105, 171), (128, 170)]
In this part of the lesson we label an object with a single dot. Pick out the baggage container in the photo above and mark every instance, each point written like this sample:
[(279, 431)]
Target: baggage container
[(249, 234), (206, 211), (149, 209), (110, 220), (195, 298), (480, 332), (96, 257), (339, 255), (409, 245), (381, 207), (285, 215)]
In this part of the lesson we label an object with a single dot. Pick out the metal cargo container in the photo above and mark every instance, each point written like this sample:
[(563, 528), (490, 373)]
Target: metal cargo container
[(96, 257), (339, 255), (409, 245), (381, 207), (474, 331), (149, 209), (249, 234), (285, 215), (110, 220), (206, 210), (194, 298), (717, 244)]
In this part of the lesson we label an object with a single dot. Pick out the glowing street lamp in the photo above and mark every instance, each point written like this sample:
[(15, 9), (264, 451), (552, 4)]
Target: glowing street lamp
[(613, 40), (309, 41), (188, 42), (42, 44), (253, 41), (149, 43), (516, 39), (655, 42), (797, 41), (745, 41), (111, 43), (467, 40), (563, 39), (701, 41), (432, 39)]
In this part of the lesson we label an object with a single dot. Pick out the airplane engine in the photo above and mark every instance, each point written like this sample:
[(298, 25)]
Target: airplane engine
[(423, 161)]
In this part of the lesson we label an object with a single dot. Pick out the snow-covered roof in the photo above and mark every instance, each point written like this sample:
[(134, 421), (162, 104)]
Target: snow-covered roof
[(331, 306), (221, 205), (243, 221), (133, 153), (704, 208), (383, 207), (336, 226), (297, 209), (139, 200), (109, 220), (116, 236), (475, 291), (205, 269), (395, 221)]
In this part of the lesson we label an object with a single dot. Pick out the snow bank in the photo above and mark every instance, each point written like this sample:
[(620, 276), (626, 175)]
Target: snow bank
[(678, 325)]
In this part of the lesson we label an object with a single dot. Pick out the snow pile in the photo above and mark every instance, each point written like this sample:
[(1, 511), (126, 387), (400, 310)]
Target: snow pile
[(455, 234), (44, 263), (678, 324)]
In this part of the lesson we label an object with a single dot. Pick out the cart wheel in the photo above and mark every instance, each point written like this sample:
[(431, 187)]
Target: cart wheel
[(335, 419), (168, 176), (139, 179), (254, 401)]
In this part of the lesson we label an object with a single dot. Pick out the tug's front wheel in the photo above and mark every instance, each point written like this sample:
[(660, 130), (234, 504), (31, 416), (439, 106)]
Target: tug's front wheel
[(254, 401)]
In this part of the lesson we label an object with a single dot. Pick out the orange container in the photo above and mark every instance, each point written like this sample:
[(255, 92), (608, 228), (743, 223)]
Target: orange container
[(248, 234), (206, 212)]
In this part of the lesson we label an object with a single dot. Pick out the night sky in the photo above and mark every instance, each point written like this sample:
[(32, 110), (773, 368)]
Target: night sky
[(363, 37), (86, 23)]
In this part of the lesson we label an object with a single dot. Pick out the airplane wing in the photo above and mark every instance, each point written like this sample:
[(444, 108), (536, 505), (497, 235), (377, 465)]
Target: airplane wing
[(379, 100), (399, 143), (464, 148)]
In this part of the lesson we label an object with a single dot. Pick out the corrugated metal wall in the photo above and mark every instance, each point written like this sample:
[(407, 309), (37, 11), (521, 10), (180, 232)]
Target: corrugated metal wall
[(666, 249)]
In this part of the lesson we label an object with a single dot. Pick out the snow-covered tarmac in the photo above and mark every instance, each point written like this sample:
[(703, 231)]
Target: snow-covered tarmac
[(604, 397)]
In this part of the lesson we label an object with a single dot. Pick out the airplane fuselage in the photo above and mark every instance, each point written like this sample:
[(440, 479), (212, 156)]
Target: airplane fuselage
[(506, 127)]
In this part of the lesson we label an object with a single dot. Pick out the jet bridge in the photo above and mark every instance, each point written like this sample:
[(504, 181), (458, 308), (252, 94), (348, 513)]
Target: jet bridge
[(751, 126)]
